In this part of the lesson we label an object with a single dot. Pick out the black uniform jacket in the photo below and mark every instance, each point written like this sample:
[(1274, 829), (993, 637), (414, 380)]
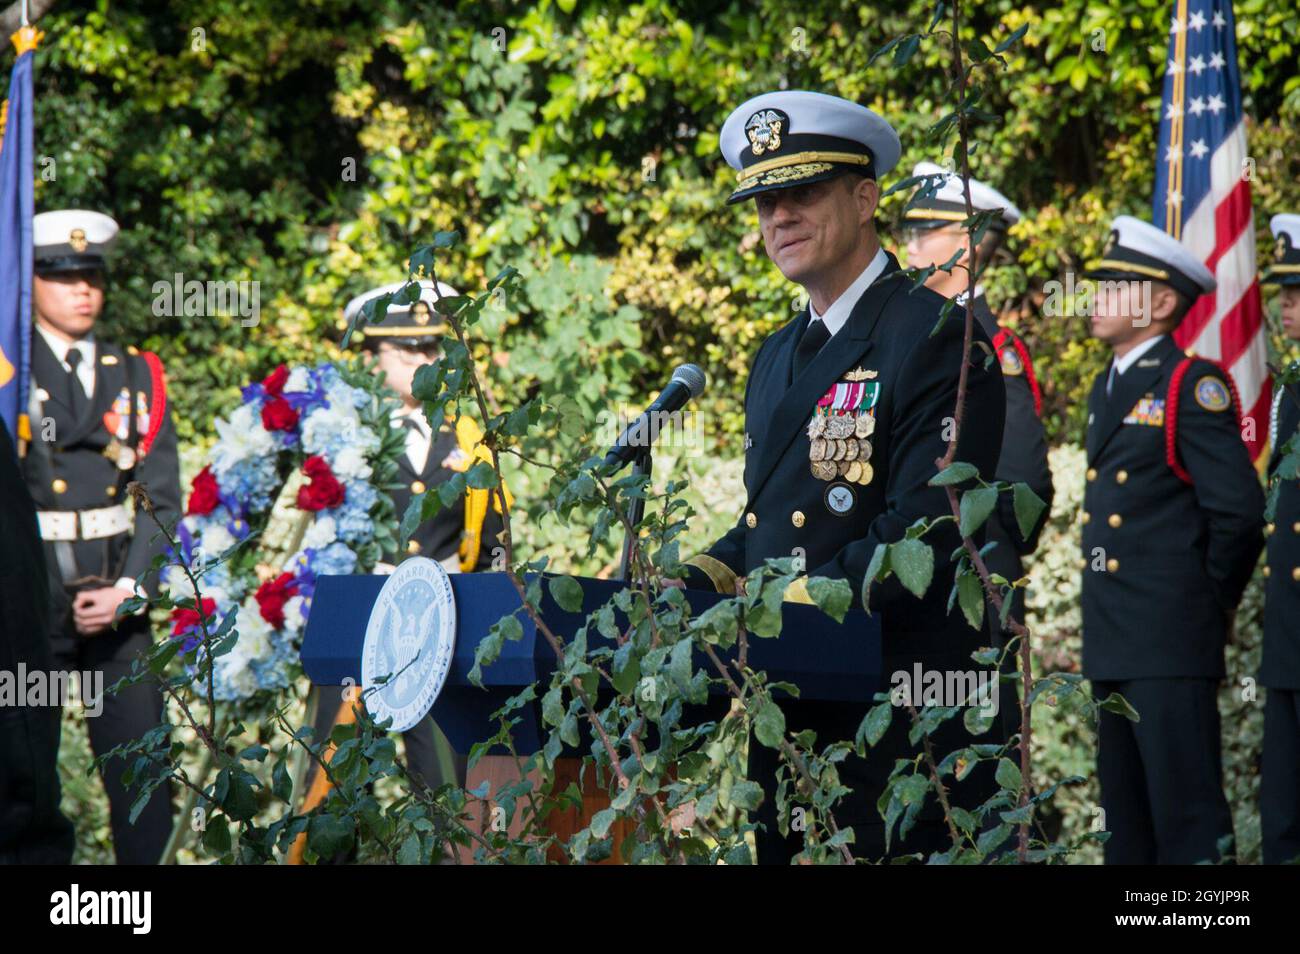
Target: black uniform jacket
[(1165, 561), (441, 537), (1023, 458), (1280, 665), (78, 469), (891, 334)]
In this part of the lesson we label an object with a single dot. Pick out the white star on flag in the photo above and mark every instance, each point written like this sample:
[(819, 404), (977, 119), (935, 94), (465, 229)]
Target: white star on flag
[(1197, 21), (1218, 20), (1173, 111), (1174, 67), (1216, 60), (1176, 26), (1198, 105), (1198, 64), (1174, 198), (1199, 148), (1216, 103), (1171, 153)]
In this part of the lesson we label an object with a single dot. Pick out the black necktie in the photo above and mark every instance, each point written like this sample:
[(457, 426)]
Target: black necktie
[(814, 336), (76, 393)]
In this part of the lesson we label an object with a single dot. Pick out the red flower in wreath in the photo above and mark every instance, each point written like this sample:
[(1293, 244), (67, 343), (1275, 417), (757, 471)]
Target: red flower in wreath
[(324, 491), (277, 415), (184, 620), (204, 494), (272, 595), (275, 381)]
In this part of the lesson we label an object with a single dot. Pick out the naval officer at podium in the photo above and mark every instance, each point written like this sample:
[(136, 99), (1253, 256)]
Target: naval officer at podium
[(846, 413)]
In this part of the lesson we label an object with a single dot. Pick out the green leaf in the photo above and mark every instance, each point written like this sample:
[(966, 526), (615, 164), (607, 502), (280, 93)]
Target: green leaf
[(976, 505), (567, 592), (1028, 506), (913, 562), (970, 596), (1008, 775), (875, 724), (955, 473), (602, 821), (746, 795), (769, 724), (833, 597), (330, 835), (1120, 706)]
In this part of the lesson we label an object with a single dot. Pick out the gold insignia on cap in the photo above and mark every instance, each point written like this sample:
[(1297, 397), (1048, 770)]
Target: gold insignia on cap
[(1111, 242), (420, 312), (764, 131), (77, 239), (1279, 249)]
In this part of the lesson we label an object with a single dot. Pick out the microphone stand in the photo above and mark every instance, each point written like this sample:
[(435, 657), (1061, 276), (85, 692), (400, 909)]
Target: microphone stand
[(641, 464)]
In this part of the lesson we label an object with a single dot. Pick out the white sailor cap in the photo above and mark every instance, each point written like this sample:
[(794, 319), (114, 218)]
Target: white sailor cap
[(1285, 269), (948, 203), (794, 137), (1137, 250), (403, 323), (71, 240)]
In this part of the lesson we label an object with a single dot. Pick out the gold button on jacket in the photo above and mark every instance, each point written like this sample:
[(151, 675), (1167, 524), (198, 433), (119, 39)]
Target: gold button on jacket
[(797, 518), (751, 521)]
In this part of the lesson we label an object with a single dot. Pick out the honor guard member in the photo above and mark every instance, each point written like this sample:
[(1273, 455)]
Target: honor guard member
[(1279, 789), (935, 235), (845, 411), (461, 537), (1172, 527), (100, 419)]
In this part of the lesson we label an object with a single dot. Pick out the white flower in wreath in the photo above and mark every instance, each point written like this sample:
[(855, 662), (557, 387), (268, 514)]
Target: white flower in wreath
[(351, 463), (320, 534), (295, 613), (299, 380), (216, 540), (240, 438)]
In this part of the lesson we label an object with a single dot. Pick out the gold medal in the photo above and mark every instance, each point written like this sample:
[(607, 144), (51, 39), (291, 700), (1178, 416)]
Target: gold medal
[(843, 467), (865, 425), (824, 470), (866, 475), (851, 449), (855, 471), (817, 426), (864, 449), (817, 450), (839, 450), (840, 426)]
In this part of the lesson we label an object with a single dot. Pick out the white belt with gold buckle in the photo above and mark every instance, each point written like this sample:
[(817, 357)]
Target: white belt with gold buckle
[(61, 525)]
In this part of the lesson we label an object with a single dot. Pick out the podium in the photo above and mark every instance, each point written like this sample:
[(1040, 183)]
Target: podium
[(828, 661)]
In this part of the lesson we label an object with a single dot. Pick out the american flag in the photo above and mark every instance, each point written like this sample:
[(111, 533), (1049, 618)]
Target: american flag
[(1202, 198)]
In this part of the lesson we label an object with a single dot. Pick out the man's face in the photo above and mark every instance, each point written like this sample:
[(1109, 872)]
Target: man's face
[(399, 365), (69, 302), (808, 230), (1290, 301), (926, 247)]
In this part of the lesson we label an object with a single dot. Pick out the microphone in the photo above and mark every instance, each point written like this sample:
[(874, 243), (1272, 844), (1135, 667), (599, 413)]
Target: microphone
[(687, 382)]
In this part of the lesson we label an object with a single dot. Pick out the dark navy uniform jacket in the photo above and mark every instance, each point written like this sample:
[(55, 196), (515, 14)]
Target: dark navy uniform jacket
[(1280, 665), (892, 336), (79, 469), (1024, 454), (1165, 562)]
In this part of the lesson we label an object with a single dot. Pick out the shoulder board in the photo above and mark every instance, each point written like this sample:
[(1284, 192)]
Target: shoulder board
[(1212, 388), (1015, 360)]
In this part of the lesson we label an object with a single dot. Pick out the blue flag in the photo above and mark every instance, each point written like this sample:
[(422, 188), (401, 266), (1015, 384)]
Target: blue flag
[(17, 204)]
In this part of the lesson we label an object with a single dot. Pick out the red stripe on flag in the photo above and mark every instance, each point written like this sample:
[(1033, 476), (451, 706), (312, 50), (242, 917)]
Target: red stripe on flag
[(1240, 326), (1231, 218), (1259, 414)]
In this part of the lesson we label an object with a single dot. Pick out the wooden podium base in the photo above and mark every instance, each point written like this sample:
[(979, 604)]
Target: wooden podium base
[(501, 770)]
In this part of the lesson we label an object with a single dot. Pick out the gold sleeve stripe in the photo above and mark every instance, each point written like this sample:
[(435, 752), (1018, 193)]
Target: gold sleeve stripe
[(722, 576)]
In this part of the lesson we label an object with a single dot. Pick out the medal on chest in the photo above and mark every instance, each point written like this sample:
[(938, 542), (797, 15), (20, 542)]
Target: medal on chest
[(839, 445)]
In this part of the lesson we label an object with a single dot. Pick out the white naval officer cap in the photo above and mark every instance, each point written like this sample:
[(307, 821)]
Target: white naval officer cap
[(795, 137), (1137, 250), (1285, 269), (71, 240), (404, 322), (948, 203)]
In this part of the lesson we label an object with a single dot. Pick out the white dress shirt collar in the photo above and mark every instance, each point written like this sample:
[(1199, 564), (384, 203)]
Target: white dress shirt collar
[(86, 345), (1130, 359), (840, 309)]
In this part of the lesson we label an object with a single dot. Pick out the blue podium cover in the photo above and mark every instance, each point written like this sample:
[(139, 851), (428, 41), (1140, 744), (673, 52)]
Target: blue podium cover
[(826, 660)]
